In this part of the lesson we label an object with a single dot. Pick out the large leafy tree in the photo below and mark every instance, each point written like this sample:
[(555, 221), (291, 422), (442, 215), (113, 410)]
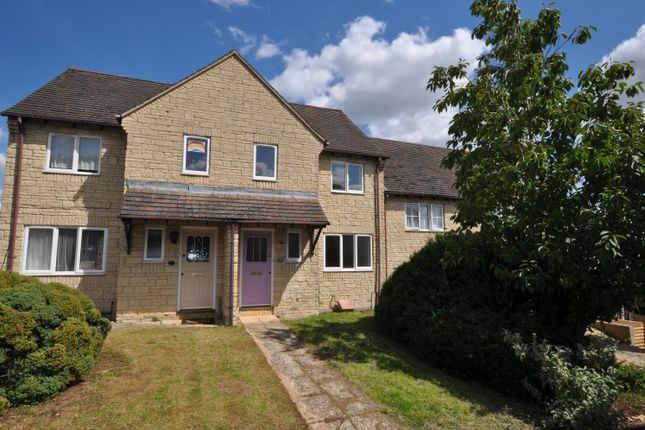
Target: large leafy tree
[(550, 168)]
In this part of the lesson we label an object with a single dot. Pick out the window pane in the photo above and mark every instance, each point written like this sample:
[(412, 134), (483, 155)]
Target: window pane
[(89, 149), (355, 176), (437, 217), (61, 152), (155, 244), (411, 215), (196, 154), (91, 250), (66, 252), (206, 248), (332, 251), (338, 176), (39, 249), (348, 251), (363, 251), (249, 249), (265, 161), (424, 217), (263, 248), (293, 246)]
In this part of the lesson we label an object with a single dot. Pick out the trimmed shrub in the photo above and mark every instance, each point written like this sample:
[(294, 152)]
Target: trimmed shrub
[(50, 336), (452, 302)]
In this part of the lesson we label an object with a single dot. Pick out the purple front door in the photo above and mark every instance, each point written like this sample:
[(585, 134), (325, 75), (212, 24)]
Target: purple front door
[(256, 268)]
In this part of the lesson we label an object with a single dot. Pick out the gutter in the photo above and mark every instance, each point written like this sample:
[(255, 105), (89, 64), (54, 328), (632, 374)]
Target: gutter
[(15, 204)]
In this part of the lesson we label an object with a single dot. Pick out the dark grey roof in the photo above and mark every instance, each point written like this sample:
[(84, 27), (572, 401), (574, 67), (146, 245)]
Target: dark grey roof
[(88, 97), (414, 169), (161, 200), (342, 135)]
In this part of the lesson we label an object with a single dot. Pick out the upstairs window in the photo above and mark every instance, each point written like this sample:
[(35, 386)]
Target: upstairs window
[(196, 155), (346, 177), (265, 161), (68, 153), (64, 251), (423, 217)]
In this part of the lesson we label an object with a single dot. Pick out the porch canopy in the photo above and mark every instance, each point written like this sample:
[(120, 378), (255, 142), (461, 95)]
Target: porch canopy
[(169, 201)]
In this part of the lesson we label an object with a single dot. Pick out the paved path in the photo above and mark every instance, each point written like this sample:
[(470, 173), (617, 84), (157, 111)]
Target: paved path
[(323, 397), (631, 355)]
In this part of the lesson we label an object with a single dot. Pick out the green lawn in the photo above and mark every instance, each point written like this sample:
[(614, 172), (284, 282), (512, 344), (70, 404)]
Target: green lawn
[(417, 395), (170, 378)]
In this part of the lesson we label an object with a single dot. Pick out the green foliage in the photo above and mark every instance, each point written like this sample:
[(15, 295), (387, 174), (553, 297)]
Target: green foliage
[(575, 396), (631, 377), (550, 169), (50, 335)]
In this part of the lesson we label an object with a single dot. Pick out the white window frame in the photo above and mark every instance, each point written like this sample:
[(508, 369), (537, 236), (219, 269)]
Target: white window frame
[(163, 244), (52, 264), (287, 258), (74, 169), (347, 190), (273, 178), (430, 226), (185, 171), (356, 268)]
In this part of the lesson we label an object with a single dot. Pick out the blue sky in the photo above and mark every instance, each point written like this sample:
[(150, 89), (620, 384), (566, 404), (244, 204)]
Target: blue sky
[(370, 58)]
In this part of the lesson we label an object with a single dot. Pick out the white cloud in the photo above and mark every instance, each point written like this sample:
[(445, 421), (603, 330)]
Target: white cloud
[(632, 50), (227, 4), (247, 40), (378, 82), (268, 48)]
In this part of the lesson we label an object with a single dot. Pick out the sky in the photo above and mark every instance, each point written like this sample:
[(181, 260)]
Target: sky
[(371, 58)]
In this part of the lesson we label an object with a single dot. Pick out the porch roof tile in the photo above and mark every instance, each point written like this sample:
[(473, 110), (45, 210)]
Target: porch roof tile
[(157, 200)]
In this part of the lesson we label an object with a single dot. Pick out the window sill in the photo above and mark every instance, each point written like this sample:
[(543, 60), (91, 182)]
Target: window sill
[(189, 173), (356, 193), (416, 230), (62, 274), (347, 270), (71, 172), (154, 261), (263, 179)]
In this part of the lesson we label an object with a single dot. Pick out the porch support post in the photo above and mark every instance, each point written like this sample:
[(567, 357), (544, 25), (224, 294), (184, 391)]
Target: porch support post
[(231, 273)]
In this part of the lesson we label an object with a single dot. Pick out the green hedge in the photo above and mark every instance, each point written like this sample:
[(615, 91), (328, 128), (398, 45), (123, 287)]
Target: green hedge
[(50, 335), (455, 305)]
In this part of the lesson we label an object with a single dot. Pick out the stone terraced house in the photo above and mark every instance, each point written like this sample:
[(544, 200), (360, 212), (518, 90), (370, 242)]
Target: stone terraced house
[(210, 197)]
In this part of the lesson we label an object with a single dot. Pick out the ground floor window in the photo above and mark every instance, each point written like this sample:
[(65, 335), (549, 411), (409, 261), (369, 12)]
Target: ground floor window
[(348, 252), (294, 247), (153, 251), (64, 250)]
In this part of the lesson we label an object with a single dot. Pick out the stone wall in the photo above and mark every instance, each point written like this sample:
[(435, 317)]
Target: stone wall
[(347, 213), (229, 105), (402, 243), (61, 199)]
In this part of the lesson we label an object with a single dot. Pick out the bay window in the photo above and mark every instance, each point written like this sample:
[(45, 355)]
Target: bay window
[(64, 251), (423, 217), (348, 252), (68, 153)]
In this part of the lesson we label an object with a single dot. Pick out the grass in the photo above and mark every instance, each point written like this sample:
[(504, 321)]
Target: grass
[(171, 378), (417, 395)]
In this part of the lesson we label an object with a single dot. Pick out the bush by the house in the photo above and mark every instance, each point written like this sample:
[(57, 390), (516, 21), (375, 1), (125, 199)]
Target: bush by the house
[(50, 335), (453, 302)]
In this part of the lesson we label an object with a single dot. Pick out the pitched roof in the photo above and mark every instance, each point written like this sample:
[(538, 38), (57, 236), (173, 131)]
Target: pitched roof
[(414, 169), (161, 200), (342, 135), (84, 96)]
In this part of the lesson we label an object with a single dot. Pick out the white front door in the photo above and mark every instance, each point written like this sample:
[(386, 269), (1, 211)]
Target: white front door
[(196, 289)]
